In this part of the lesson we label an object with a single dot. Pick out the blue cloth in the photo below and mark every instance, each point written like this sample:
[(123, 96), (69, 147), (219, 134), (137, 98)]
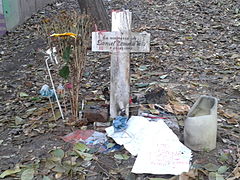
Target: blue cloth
[(120, 123), (47, 92)]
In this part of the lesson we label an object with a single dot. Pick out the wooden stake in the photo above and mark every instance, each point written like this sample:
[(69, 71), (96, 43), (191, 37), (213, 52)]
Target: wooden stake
[(120, 66)]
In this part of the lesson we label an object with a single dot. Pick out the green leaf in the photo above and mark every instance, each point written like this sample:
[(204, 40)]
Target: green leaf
[(121, 156), (142, 85), (28, 174), (23, 94), (57, 154), (110, 145), (215, 176), (143, 68), (212, 176), (64, 72), (219, 177), (66, 53), (84, 156), (35, 99), (189, 38), (10, 172), (211, 167), (59, 169), (49, 164), (222, 169), (81, 147), (46, 178), (163, 76), (224, 157)]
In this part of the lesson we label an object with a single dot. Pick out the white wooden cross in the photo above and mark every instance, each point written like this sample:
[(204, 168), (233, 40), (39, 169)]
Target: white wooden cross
[(120, 42)]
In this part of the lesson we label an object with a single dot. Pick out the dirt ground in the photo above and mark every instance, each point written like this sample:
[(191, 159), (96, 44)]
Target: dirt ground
[(195, 50)]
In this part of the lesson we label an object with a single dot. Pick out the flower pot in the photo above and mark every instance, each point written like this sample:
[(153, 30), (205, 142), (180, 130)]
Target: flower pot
[(200, 127)]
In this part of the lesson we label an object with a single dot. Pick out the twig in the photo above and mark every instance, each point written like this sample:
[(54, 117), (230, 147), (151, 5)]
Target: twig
[(52, 109)]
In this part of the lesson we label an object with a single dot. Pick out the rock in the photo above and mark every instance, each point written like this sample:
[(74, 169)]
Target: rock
[(96, 115)]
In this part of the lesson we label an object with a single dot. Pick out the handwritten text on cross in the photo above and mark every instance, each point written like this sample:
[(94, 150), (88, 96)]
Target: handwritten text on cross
[(120, 42)]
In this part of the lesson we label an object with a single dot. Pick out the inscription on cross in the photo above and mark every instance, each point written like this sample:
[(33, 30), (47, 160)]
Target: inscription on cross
[(120, 42)]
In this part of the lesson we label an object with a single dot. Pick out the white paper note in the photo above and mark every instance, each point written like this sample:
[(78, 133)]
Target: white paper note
[(158, 148), (161, 152)]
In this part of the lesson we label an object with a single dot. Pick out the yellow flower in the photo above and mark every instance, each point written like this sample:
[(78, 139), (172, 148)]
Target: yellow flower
[(64, 34)]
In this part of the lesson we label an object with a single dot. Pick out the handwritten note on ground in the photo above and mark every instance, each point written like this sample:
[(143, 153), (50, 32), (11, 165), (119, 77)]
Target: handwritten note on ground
[(161, 152), (158, 149)]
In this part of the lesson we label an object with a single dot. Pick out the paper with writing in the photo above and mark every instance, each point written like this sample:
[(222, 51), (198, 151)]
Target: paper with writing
[(161, 152), (158, 148), (120, 42)]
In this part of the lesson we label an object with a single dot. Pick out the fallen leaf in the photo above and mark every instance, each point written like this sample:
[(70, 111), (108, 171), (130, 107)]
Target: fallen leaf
[(189, 38), (121, 156), (235, 172), (192, 174), (178, 108), (232, 121), (49, 164), (58, 175), (222, 169), (224, 157), (215, 176), (154, 111), (23, 94), (212, 176), (81, 147), (110, 145), (59, 168), (18, 120), (234, 56), (10, 172), (36, 98), (227, 114), (210, 167), (169, 108), (46, 178), (57, 115), (163, 76), (143, 67), (142, 85), (31, 110), (57, 155), (28, 174), (41, 111), (84, 156)]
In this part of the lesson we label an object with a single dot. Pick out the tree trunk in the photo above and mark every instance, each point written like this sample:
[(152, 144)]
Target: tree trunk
[(96, 9)]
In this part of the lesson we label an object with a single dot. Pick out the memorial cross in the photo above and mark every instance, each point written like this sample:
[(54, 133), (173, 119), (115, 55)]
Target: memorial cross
[(120, 42)]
